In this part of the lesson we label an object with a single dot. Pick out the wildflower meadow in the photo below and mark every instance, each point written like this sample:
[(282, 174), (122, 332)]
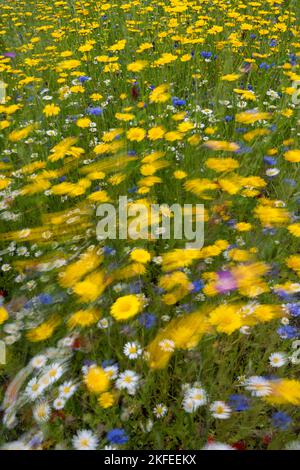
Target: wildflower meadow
[(170, 336)]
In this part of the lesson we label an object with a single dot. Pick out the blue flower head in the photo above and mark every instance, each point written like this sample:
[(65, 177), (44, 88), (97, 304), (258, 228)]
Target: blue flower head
[(147, 320), (239, 402), (287, 332), (178, 102), (281, 420), (117, 436)]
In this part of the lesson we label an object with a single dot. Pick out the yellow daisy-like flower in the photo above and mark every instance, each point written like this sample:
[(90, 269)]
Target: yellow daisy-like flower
[(106, 399), (140, 255), (136, 134), (156, 133), (51, 110), (294, 229), (83, 122), (243, 226), (137, 66), (126, 307), (84, 318), (3, 315), (292, 156), (96, 380)]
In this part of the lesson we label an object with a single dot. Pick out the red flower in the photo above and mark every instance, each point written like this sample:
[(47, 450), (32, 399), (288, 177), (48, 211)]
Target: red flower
[(239, 445)]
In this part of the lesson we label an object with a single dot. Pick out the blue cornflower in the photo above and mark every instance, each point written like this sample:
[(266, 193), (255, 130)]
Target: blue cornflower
[(147, 320), (178, 102), (117, 436), (228, 118), (290, 182), (109, 251), (133, 189), (294, 309), (239, 402), (270, 160), (197, 286), (287, 332), (281, 420), (45, 299), (96, 111), (84, 78), (206, 55), (273, 43)]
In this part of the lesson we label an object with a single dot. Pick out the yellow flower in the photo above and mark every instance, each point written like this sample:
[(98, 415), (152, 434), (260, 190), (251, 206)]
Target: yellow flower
[(226, 318), (43, 331), (96, 96), (137, 66), (141, 256), (293, 262), (126, 307), (51, 110), (250, 117), (222, 164), (243, 226), (84, 318), (270, 216), (179, 174), (136, 134), (284, 391), (4, 124), (83, 122), (292, 156), (231, 77), (96, 380), (124, 116), (294, 229), (106, 399), (160, 94), (156, 133), (19, 134), (3, 315)]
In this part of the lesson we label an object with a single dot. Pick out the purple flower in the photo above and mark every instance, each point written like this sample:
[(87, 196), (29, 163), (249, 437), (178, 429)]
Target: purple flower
[(226, 282)]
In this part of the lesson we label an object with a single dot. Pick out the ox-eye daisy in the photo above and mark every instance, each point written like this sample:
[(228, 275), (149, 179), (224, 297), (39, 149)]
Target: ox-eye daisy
[(85, 440), (220, 410)]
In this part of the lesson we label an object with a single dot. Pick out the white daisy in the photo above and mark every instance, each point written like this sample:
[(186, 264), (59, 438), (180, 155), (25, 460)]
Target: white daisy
[(59, 403), (189, 405), (220, 410), (41, 412), (258, 386), (67, 389), (34, 389), (38, 361), (160, 410), (278, 359), (132, 350), (55, 371), (128, 380), (217, 446), (112, 371), (85, 440), (198, 395)]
